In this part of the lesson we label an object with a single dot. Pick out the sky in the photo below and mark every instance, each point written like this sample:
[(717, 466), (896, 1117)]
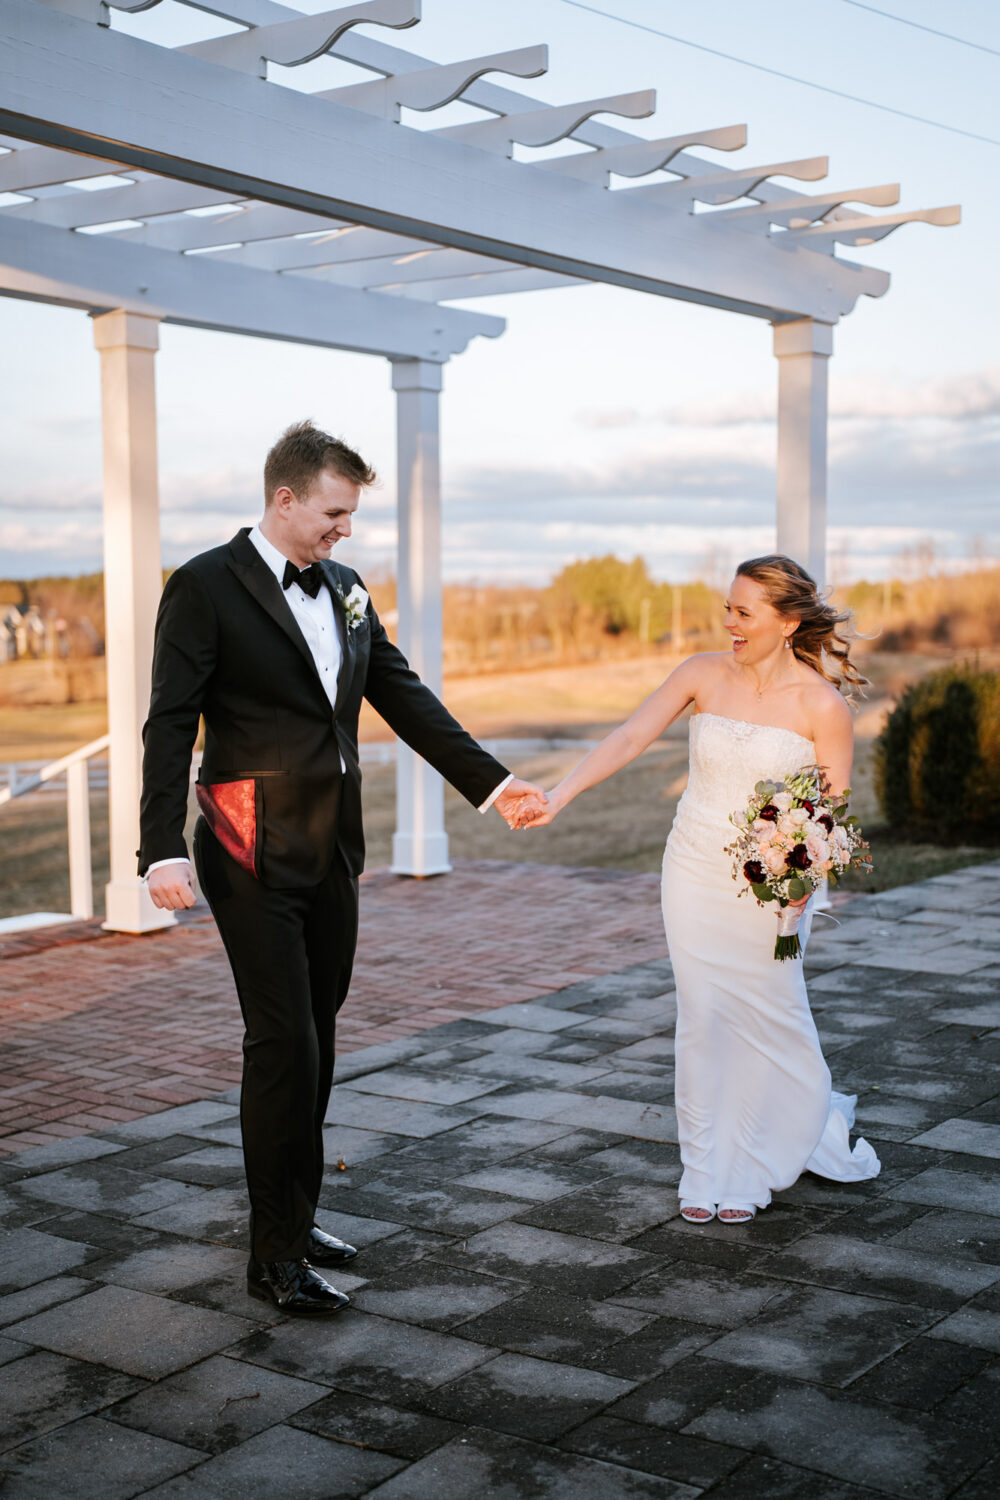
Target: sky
[(605, 420)]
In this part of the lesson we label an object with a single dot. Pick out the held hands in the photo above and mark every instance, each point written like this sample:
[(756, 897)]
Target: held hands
[(536, 812), (513, 798), (171, 887)]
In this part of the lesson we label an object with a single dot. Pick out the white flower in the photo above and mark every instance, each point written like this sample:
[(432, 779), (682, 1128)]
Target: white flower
[(799, 816), (787, 823), (355, 606), (782, 801)]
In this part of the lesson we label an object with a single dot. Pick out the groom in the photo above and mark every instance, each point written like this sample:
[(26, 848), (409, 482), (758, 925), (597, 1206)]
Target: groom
[(276, 645)]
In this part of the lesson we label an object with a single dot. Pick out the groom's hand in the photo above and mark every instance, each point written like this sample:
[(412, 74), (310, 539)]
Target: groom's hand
[(171, 887), (511, 799)]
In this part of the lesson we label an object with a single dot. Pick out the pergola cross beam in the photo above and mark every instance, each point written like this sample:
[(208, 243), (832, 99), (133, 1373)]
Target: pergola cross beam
[(432, 88), (98, 273), (294, 42), (87, 83)]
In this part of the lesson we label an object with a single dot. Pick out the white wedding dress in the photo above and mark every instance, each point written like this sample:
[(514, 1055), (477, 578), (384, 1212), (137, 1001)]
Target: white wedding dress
[(754, 1103)]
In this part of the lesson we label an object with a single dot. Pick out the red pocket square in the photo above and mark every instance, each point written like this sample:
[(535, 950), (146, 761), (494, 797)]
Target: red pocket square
[(230, 810)]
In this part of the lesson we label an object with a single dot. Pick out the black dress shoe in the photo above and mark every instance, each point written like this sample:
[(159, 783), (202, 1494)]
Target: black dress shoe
[(324, 1250), (294, 1287)]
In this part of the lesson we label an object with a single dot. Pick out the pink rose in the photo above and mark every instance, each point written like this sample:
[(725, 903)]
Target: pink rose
[(774, 859), (817, 849)]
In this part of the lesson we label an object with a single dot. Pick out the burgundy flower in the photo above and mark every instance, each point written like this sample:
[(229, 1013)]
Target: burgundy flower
[(798, 858), (810, 807), (826, 821), (769, 813), (754, 871)]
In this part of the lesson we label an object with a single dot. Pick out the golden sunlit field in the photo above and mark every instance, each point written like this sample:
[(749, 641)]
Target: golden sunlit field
[(622, 824)]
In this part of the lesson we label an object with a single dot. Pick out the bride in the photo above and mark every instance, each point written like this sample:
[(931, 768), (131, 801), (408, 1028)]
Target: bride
[(754, 1102)]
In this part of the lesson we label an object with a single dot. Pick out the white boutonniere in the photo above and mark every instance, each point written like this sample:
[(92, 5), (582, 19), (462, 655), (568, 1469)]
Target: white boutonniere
[(355, 606)]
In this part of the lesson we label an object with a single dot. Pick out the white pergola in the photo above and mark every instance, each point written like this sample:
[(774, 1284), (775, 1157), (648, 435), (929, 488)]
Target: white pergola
[(221, 199)]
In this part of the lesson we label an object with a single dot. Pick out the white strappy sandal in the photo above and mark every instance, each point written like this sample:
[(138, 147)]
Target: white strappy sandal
[(697, 1213), (737, 1213)]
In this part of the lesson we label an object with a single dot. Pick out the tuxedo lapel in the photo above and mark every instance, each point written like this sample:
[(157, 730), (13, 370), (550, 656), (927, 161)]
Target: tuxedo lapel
[(253, 572), (347, 647)]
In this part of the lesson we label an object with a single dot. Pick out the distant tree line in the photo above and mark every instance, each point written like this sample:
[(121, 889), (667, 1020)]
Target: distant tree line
[(601, 607)]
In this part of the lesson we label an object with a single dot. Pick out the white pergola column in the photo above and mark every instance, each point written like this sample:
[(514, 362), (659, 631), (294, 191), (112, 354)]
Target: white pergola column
[(127, 343), (802, 350), (420, 844)]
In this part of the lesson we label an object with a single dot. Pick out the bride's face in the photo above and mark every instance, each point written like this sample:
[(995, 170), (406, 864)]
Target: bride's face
[(755, 626)]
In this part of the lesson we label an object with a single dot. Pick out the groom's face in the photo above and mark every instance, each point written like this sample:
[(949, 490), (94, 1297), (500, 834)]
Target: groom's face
[(313, 523)]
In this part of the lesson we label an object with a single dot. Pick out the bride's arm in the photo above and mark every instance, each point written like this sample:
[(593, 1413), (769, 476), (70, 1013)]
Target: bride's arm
[(623, 744), (833, 736)]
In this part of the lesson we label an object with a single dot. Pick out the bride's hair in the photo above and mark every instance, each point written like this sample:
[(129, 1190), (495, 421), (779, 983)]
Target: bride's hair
[(824, 634)]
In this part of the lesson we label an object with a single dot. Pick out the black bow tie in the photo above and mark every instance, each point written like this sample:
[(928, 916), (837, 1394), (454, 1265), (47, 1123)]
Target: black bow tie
[(309, 579)]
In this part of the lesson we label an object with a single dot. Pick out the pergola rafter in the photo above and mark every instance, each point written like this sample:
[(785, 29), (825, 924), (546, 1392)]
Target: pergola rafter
[(329, 218), (459, 189)]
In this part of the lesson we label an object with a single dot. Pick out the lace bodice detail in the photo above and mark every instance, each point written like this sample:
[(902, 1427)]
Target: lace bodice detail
[(727, 759)]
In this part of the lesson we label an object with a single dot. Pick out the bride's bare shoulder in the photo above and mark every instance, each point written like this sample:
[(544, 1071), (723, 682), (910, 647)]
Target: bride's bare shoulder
[(702, 671), (824, 703)]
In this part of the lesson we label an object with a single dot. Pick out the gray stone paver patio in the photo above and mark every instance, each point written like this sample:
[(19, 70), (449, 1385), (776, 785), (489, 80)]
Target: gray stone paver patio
[(530, 1316)]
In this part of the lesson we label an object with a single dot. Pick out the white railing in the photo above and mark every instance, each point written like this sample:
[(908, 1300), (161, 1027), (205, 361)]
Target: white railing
[(25, 777), (75, 767), (15, 773)]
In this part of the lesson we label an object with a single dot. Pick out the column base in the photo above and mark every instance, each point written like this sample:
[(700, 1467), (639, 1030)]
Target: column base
[(129, 908), (413, 855)]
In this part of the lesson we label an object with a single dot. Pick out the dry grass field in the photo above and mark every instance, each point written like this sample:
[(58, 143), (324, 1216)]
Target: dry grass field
[(622, 824)]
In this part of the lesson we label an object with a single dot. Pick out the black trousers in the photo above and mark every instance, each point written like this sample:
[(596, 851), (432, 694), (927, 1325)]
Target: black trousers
[(291, 953)]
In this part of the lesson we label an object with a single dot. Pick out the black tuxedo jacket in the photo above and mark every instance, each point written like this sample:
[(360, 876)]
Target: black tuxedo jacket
[(227, 647)]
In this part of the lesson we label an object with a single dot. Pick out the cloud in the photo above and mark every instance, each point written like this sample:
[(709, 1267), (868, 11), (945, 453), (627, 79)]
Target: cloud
[(667, 493), (958, 398), (611, 417), (970, 397)]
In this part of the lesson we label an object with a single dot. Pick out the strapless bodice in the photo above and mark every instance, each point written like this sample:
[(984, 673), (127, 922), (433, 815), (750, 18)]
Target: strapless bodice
[(727, 759)]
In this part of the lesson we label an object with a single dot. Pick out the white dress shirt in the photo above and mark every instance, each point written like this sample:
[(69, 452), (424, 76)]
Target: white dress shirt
[(317, 622), (314, 617)]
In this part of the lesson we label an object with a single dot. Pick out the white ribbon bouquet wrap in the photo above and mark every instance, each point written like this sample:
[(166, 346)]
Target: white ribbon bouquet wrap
[(791, 836)]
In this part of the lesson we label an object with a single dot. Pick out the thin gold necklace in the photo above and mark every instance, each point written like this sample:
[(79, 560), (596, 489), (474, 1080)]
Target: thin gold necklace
[(763, 687)]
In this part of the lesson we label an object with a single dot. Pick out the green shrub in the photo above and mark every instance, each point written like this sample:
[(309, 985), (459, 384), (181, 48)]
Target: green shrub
[(937, 760)]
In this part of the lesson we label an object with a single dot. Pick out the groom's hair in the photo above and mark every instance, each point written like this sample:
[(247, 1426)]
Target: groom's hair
[(301, 454)]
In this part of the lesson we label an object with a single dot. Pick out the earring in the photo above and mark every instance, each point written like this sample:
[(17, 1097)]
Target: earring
[(788, 643)]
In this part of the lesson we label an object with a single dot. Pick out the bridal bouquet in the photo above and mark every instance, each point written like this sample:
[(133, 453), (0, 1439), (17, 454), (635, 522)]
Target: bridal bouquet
[(792, 836)]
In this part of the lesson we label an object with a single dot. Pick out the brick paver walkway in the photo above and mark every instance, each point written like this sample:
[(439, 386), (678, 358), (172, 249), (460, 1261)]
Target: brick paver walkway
[(99, 1027), (530, 1319)]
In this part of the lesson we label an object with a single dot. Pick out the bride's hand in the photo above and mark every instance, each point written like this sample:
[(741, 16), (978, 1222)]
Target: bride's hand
[(533, 813)]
